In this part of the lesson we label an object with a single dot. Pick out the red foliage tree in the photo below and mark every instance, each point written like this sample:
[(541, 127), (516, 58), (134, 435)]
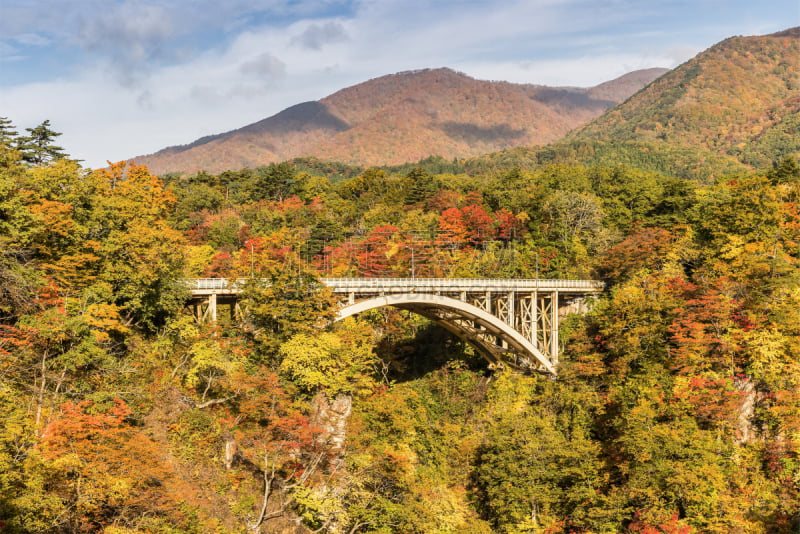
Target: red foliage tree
[(103, 469), (479, 224), (672, 525)]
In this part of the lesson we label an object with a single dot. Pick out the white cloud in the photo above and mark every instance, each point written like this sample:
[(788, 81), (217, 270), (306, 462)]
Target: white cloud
[(151, 78), (32, 39), (130, 36)]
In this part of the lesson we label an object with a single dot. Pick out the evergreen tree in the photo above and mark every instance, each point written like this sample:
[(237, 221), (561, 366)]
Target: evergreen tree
[(274, 182), (8, 134), (787, 170), (9, 156), (421, 186), (38, 148)]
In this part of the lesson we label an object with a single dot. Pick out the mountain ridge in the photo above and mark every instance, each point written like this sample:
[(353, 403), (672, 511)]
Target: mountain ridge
[(738, 98), (404, 117)]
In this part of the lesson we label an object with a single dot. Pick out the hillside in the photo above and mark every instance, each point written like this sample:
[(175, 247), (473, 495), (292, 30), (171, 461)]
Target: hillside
[(739, 98), (405, 117), (126, 410)]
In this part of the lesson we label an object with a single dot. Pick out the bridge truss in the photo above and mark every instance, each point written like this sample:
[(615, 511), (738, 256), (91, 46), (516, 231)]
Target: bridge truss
[(509, 321)]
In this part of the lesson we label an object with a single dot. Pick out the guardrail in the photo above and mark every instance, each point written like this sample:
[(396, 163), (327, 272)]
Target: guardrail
[(215, 283), (462, 284), (417, 284)]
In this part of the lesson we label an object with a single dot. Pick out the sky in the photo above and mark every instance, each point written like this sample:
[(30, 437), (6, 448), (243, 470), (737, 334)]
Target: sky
[(121, 78)]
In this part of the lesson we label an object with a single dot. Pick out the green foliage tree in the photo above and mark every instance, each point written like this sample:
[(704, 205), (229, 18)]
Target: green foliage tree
[(274, 182), (421, 186), (539, 468), (37, 147), (284, 297), (332, 362), (787, 170), (8, 134)]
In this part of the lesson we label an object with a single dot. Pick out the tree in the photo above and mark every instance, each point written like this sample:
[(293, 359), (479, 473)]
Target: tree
[(333, 362), (421, 186), (274, 182), (17, 439), (8, 134), (274, 435), (38, 148), (140, 255), (91, 470), (786, 171), (284, 297), (478, 223), (452, 228), (538, 464)]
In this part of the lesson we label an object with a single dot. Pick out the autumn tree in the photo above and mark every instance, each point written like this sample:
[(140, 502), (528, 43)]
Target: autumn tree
[(333, 362), (92, 470), (140, 256), (276, 436), (284, 297)]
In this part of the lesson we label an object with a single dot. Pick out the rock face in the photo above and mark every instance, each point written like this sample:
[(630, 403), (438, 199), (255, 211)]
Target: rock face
[(332, 418), (405, 117), (231, 450), (746, 410)]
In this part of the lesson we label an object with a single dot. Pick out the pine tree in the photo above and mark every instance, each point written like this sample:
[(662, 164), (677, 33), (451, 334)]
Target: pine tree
[(421, 186), (8, 134), (38, 148)]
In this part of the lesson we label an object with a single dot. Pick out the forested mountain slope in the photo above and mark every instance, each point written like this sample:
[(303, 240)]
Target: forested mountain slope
[(734, 106), (740, 98), (405, 117)]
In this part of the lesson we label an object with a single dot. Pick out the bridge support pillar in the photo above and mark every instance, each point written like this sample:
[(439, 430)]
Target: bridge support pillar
[(554, 328), (211, 311), (535, 319), (510, 319)]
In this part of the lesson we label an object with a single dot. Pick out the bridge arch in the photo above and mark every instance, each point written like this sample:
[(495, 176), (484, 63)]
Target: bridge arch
[(496, 340)]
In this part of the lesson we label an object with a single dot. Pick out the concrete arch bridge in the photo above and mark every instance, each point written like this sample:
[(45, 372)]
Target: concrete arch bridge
[(509, 321)]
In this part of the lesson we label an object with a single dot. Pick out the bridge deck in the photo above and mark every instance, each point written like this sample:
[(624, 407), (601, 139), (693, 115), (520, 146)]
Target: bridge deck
[(208, 286)]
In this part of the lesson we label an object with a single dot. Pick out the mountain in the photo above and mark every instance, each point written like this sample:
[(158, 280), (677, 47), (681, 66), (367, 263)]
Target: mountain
[(405, 117), (739, 99)]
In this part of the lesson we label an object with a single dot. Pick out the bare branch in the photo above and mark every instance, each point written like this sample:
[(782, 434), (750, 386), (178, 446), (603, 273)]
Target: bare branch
[(216, 401)]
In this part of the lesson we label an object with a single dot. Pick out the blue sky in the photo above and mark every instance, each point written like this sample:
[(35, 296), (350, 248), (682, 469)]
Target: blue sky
[(122, 78)]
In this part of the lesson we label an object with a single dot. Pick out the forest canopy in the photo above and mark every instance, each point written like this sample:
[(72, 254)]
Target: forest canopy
[(676, 408)]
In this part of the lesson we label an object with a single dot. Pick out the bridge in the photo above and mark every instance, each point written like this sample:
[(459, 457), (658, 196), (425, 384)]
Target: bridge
[(514, 322)]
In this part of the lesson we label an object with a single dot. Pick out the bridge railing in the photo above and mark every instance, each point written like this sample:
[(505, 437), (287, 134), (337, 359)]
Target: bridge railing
[(432, 284), (463, 284), (215, 283)]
